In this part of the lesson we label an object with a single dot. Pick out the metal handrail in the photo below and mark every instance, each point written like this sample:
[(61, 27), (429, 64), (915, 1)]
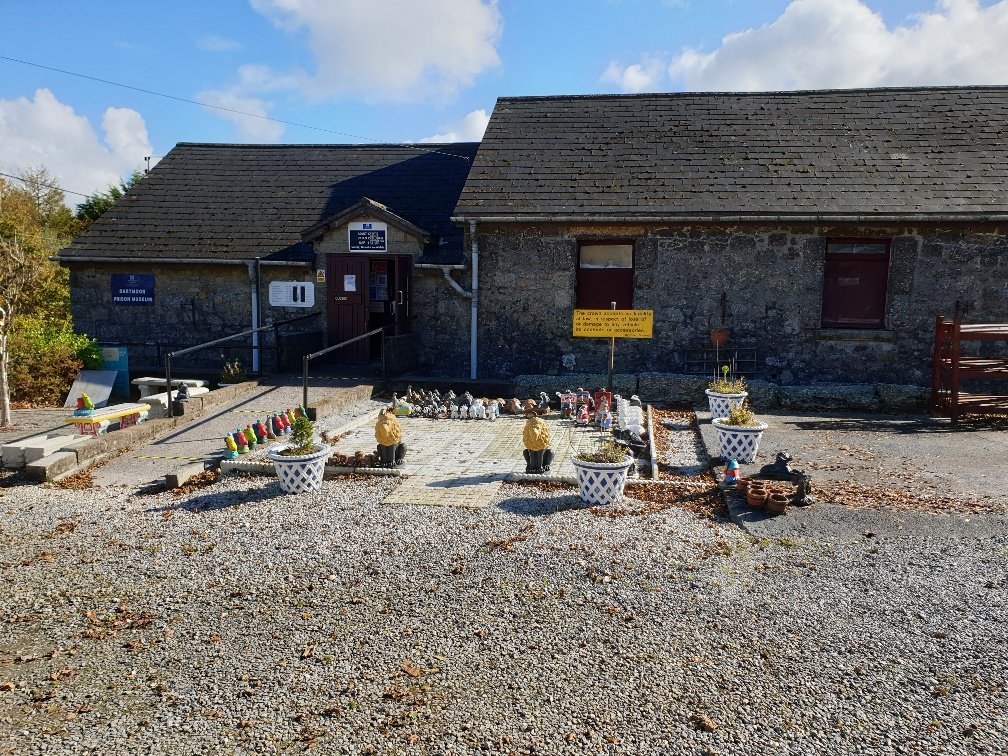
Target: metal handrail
[(187, 350), (309, 357)]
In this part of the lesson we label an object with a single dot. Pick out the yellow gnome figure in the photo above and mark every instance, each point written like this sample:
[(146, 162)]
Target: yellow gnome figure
[(538, 455), (388, 433)]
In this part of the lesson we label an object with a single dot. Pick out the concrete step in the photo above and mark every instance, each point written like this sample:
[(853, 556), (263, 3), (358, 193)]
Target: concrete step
[(50, 445), (161, 400), (51, 466), (13, 454)]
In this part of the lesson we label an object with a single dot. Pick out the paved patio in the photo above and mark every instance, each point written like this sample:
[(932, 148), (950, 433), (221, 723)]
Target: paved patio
[(462, 463)]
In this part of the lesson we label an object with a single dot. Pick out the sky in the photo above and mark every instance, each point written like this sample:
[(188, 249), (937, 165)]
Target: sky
[(428, 70)]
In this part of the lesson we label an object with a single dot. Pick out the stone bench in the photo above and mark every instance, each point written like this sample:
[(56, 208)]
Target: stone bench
[(161, 400), (98, 421), (149, 385)]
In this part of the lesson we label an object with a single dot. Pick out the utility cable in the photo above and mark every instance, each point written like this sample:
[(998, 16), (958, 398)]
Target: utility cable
[(215, 107)]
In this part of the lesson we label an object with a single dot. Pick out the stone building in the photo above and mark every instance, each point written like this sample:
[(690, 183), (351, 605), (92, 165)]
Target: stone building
[(221, 238), (825, 230)]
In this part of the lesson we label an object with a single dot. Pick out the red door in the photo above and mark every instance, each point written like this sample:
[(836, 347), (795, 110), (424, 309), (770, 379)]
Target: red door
[(348, 306), (605, 275)]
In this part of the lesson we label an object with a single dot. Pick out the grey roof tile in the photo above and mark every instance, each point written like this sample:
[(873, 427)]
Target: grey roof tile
[(246, 201), (920, 150)]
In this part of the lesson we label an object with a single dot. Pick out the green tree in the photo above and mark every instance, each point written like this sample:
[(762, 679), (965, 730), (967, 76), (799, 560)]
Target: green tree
[(94, 205)]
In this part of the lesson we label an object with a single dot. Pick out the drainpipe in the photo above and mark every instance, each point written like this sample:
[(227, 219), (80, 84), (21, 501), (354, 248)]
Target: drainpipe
[(474, 300), (253, 269)]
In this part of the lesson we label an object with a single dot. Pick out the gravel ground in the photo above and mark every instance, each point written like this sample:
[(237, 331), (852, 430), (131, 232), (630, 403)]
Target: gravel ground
[(235, 619)]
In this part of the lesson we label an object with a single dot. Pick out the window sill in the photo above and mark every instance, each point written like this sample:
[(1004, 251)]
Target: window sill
[(854, 334)]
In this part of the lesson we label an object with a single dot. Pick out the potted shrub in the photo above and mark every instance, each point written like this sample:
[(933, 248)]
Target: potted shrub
[(301, 463), (232, 373), (725, 393), (739, 434), (602, 473)]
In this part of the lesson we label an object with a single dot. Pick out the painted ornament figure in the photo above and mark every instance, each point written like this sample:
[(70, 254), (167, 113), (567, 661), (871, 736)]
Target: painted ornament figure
[(584, 417), (388, 433), (538, 455), (731, 472)]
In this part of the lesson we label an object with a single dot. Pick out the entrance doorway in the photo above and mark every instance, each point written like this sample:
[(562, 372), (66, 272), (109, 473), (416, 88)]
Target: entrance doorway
[(367, 292)]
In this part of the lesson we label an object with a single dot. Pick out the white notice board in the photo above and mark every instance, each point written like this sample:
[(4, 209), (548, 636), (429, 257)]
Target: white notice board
[(292, 294)]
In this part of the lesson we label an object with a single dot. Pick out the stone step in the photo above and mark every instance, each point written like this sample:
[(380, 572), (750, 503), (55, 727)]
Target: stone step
[(13, 454), (51, 445), (51, 467), (161, 400)]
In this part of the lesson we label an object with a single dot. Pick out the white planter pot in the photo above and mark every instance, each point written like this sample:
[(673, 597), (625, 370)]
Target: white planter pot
[(738, 442), (301, 473), (722, 404), (602, 483)]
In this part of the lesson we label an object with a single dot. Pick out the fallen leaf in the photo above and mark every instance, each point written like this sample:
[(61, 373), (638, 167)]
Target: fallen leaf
[(411, 669)]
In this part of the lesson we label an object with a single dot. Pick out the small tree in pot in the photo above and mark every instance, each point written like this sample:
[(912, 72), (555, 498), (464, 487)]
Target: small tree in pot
[(300, 464)]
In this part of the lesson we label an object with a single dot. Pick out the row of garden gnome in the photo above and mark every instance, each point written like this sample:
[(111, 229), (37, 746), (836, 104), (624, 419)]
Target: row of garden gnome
[(582, 406), (244, 440)]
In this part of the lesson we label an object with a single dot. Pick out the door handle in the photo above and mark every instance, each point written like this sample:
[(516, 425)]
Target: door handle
[(400, 299)]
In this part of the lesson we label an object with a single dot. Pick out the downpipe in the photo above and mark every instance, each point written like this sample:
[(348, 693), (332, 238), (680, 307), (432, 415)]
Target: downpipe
[(474, 303)]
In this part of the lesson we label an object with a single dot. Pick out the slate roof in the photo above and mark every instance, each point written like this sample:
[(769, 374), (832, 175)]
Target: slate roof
[(230, 201), (937, 152)]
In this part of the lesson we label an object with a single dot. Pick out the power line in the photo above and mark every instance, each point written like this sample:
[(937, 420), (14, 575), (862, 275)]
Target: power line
[(207, 105), (50, 186)]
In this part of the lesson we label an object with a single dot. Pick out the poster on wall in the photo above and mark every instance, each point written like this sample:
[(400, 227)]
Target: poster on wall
[(292, 294), (368, 236), (133, 288)]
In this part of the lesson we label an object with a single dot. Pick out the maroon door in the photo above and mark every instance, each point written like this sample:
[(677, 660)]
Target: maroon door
[(605, 275), (348, 306), (855, 279), (404, 274)]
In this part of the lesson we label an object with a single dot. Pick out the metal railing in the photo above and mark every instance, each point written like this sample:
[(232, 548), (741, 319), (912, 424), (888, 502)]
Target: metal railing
[(275, 327), (309, 357)]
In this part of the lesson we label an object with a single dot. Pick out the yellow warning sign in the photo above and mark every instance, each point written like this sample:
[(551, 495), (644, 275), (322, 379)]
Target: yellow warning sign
[(621, 324)]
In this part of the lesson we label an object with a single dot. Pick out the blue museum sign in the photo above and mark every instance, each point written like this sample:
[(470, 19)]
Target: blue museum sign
[(133, 288)]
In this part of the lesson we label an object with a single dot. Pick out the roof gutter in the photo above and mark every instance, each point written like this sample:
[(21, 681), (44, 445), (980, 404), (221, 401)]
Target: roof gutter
[(176, 260), (737, 218)]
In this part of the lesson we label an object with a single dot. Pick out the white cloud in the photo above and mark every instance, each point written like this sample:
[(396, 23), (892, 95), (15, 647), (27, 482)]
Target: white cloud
[(217, 43), (45, 131), (637, 77), (391, 49), (469, 129), (844, 43), (250, 128)]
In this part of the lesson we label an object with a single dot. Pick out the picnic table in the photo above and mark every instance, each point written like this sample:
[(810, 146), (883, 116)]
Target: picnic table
[(98, 422)]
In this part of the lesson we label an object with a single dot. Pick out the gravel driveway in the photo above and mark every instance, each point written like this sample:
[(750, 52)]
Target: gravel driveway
[(235, 619)]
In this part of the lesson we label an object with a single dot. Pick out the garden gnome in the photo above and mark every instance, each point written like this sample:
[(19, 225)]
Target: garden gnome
[(232, 448), (731, 471), (604, 417), (84, 405), (250, 437), (388, 433), (271, 428), (536, 436), (241, 442), (584, 417), (261, 435), (567, 405)]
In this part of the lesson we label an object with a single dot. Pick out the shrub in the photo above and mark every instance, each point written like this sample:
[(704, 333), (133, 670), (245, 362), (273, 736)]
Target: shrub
[(607, 451), (728, 383), (45, 358), (742, 415)]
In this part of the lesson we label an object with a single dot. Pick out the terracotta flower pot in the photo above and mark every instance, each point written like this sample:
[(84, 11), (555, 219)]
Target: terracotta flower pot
[(777, 503), (756, 497), (742, 484)]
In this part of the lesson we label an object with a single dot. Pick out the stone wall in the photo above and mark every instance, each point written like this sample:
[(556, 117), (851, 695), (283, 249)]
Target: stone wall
[(772, 280), (192, 304)]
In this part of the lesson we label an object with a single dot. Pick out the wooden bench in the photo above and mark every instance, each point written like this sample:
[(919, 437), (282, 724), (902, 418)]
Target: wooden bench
[(98, 422), (148, 385), (950, 367)]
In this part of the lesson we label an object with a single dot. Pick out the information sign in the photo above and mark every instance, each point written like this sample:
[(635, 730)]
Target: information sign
[(368, 236), (133, 288), (620, 324)]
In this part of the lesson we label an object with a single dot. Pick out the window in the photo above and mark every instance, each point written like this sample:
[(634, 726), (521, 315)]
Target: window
[(855, 278), (605, 275)]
